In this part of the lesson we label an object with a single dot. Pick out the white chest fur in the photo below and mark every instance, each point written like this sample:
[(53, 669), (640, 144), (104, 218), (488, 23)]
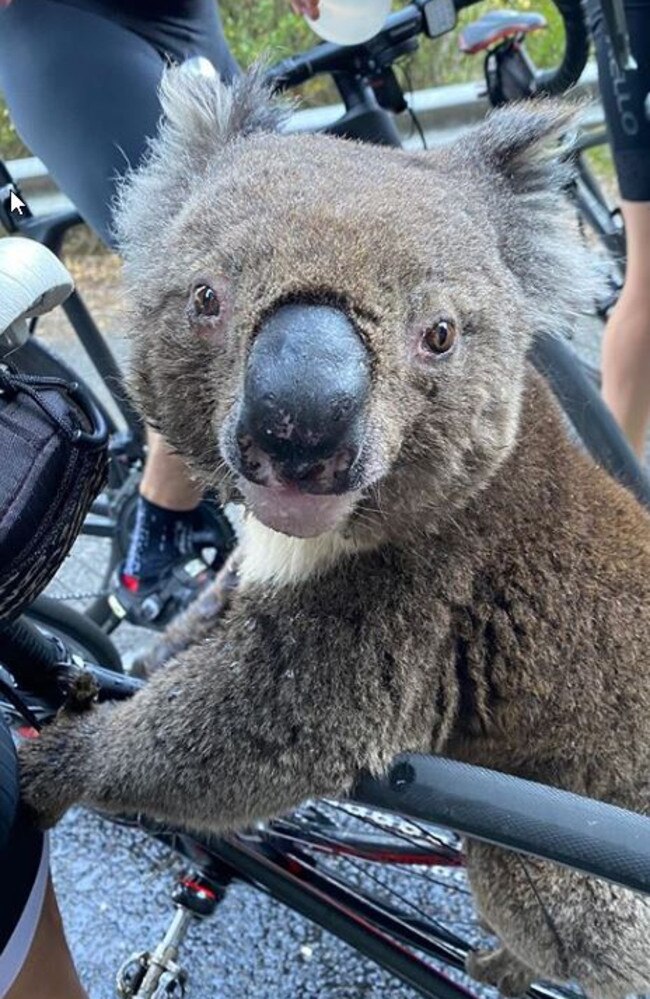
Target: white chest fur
[(270, 557)]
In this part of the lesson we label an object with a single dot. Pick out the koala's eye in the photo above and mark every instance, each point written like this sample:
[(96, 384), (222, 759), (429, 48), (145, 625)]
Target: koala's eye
[(205, 301), (441, 337)]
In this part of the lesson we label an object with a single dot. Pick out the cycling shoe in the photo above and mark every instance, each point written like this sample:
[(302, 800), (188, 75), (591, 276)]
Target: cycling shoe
[(152, 603)]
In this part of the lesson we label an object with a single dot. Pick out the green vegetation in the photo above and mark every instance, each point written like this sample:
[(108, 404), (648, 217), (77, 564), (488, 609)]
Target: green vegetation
[(10, 144), (256, 27)]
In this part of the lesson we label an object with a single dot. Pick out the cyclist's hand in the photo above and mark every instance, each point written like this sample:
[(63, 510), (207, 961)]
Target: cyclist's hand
[(308, 7)]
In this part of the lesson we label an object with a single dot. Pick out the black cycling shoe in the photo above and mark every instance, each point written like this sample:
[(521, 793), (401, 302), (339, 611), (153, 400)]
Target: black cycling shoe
[(152, 600)]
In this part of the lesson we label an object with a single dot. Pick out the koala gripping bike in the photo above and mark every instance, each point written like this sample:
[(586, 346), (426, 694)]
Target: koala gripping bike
[(385, 870)]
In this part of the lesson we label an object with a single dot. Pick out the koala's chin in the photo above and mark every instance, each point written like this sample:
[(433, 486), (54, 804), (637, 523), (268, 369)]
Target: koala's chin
[(284, 508)]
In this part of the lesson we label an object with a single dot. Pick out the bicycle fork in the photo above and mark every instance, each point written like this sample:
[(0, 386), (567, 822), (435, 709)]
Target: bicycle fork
[(157, 974)]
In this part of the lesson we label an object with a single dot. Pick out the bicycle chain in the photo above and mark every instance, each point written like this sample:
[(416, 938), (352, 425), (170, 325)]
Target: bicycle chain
[(91, 595)]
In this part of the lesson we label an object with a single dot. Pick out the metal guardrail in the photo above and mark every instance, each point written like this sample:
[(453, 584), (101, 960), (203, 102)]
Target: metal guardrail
[(444, 114)]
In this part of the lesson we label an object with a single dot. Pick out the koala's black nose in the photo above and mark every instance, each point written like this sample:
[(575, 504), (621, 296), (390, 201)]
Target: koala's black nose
[(305, 389)]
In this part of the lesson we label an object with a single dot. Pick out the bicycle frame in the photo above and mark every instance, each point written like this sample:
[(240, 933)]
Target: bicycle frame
[(590, 836)]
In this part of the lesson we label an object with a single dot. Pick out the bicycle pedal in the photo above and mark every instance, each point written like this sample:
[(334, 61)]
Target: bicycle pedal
[(142, 976), (156, 973), (130, 975), (171, 985)]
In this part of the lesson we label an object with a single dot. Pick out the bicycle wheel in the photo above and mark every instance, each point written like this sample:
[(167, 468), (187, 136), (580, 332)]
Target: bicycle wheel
[(403, 878), (589, 416)]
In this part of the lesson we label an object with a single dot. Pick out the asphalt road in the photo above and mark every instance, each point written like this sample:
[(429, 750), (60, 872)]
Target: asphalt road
[(113, 883)]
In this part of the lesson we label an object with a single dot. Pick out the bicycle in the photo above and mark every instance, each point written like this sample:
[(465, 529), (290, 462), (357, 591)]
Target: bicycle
[(511, 75), (285, 858), (372, 97), (314, 861), (113, 513)]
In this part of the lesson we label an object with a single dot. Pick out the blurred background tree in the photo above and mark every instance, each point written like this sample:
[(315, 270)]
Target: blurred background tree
[(256, 27)]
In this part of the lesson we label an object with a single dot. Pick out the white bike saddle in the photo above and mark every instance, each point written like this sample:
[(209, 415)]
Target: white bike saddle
[(32, 281)]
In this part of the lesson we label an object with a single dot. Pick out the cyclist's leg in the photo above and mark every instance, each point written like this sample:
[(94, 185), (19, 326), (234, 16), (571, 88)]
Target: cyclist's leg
[(626, 346), (165, 480), (31, 933), (48, 950), (81, 81), (81, 85)]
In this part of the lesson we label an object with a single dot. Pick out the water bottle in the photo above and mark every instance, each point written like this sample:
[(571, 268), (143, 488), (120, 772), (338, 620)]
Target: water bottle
[(350, 22)]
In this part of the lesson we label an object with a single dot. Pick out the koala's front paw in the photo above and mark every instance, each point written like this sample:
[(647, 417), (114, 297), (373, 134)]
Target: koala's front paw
[(500, 968), (50, 771)]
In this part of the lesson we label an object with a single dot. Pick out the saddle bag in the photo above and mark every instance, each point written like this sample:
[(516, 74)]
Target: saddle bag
[(53, 462)]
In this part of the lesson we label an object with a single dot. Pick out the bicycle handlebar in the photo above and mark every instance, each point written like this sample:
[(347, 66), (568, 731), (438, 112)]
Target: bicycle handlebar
[(42, 666), (407, 24), (576, 50)]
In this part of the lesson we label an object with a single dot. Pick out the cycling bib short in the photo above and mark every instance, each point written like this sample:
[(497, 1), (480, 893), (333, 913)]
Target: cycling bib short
[(23, 869), (624, 95), (80, 78)]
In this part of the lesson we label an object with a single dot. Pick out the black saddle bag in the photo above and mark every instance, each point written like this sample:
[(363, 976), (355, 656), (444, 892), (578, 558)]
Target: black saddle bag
[(53, 462)]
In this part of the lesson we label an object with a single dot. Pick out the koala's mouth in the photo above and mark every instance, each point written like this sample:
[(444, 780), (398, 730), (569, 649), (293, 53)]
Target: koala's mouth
[(286, 509)]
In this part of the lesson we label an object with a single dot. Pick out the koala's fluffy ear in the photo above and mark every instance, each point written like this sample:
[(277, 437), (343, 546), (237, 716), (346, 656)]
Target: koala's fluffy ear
[(517, 161), (522, 144), (200, 116)]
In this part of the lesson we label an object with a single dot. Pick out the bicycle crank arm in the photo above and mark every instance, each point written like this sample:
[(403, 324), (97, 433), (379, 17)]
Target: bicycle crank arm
[(156, 974)]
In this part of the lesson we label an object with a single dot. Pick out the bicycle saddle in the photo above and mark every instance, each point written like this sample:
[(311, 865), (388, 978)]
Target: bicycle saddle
[(495, 26), (32, 281)]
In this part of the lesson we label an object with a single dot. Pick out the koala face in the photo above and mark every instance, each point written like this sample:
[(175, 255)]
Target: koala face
[(334, 331)]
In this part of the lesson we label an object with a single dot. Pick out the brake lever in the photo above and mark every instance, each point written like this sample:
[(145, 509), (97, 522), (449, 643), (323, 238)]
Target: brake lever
[(75, 684)]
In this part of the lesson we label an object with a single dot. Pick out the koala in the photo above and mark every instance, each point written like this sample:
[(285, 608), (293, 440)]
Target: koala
[(336, 335)]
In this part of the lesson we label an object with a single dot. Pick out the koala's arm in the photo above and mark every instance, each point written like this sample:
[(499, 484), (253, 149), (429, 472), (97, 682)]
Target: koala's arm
[(237, 728), (194, 624)]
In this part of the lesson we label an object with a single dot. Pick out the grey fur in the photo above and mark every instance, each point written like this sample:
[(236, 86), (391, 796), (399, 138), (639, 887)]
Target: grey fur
[(488, 596)]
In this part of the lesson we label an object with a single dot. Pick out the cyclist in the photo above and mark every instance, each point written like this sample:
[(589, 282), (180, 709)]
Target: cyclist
[(80, 78), (31, 934), (626, 346)]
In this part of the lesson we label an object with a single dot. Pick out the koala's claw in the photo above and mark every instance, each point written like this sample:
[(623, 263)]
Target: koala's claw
[(82, 693), (499, 968)]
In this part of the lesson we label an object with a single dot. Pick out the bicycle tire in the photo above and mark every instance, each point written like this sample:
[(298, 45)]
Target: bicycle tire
[(595, 425), (76, 629)]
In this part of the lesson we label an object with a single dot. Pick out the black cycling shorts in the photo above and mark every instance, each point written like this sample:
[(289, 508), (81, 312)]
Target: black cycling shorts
[(624, 97), (80, 78), (23, 870)]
